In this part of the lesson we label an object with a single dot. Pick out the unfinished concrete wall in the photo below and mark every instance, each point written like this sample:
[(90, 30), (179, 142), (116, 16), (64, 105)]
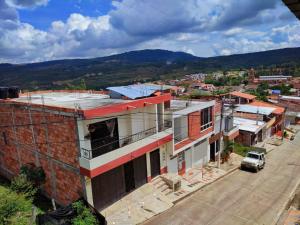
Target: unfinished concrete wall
[(44, 138)]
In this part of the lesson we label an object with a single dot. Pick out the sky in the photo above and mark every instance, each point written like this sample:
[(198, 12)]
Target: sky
[(41, 30)]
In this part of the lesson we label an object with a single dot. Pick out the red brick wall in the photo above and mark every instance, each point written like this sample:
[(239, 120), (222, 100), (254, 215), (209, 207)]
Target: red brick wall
[(194, 121), (50, 142)]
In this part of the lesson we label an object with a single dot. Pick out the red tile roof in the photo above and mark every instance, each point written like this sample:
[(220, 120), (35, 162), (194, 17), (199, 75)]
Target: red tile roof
[(243, 95)]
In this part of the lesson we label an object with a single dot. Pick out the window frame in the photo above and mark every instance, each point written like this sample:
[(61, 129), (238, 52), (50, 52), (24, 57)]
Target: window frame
[(206, 118)]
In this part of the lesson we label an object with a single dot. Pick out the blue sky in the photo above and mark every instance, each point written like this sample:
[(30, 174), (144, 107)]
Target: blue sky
[(39, 30)]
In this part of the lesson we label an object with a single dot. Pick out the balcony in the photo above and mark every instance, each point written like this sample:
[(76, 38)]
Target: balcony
[(108, 147), (231, 133), (103, 148)]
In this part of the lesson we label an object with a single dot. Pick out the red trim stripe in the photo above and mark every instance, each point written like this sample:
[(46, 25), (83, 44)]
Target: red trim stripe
[(123, 159), (115, 108)]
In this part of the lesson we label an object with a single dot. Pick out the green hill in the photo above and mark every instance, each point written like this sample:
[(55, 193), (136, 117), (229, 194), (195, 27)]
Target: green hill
[(132, 66)]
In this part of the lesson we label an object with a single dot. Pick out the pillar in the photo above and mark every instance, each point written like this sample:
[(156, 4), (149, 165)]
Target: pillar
[(148, 163)]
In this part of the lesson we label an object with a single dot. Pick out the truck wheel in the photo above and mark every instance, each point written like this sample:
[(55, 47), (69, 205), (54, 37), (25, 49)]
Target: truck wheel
[(256, 169)]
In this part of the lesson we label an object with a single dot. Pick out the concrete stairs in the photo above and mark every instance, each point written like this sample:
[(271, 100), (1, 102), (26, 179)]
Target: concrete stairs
[(161, 186)]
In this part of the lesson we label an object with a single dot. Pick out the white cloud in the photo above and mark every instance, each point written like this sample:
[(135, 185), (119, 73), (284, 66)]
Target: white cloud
[(21, 4), (200, 27)]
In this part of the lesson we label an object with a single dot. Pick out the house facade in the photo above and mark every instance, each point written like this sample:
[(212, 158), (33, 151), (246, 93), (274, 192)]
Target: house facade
[(101, 148)]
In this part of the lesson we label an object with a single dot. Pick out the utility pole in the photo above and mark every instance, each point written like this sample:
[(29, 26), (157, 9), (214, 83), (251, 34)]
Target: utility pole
[(221, 122)]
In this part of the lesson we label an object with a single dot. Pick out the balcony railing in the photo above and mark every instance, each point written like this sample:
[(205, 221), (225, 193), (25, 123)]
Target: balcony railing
[(206, 126), (166, 125), (108, 147)]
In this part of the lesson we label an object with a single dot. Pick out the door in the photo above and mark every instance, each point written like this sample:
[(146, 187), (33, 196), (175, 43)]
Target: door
[(140, 171), (108, 187), (129, 176), (212, 151), (188, 158), (197, 154), (155, 163)]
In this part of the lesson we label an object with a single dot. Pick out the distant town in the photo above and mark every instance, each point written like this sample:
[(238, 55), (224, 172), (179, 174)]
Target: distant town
[(202, 128), (161, 141)]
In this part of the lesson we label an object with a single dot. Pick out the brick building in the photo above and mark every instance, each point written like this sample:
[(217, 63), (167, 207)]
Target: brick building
[(101, 148)]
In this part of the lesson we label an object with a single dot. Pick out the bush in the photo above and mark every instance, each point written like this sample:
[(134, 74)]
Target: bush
[(15, 209), (84, 215), (21, 184), (34, 174)]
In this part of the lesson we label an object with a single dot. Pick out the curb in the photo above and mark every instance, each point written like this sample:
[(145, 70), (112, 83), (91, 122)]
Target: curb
[(285, 205), (191, 193), (205, 185)]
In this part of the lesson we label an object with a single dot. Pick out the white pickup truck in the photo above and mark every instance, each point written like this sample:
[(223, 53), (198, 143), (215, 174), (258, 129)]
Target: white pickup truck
[(253, 160)]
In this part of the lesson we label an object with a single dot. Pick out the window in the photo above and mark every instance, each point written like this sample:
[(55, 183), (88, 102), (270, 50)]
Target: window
[(180, 128), (206, 118)]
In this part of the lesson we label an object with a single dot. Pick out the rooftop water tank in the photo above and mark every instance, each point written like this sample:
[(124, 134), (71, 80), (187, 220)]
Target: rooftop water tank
[(3, 92)]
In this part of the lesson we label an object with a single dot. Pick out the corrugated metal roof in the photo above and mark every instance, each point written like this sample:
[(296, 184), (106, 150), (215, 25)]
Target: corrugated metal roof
[(135, 91), (255, 109), (248, 125), (290, 97), (278, 109)]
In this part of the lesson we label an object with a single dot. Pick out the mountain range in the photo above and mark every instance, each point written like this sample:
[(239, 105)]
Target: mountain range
[(142, 65)]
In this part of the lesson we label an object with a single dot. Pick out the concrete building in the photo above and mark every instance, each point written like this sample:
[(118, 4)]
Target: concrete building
[(273, 79), (100, 148), (267, 118), (250, 131), (277, 120)]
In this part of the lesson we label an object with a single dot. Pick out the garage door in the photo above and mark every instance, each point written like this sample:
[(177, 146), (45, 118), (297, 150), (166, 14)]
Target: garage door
[(114, 184), (200, 153), (108, 187)]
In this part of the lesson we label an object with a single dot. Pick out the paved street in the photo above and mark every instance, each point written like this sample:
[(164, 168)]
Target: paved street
[(242, 197)]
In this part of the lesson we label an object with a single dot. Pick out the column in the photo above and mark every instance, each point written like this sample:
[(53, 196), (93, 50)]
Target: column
[(148, 162)]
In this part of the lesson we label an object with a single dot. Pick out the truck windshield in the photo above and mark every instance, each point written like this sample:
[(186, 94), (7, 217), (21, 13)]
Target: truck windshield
[(254, 156)]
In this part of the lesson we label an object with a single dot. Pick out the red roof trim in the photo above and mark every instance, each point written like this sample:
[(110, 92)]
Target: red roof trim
[(123, 159), (140, 103)]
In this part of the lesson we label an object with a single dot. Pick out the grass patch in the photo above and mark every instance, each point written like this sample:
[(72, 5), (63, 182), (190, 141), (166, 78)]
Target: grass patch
[(243, 150), (16, 208)]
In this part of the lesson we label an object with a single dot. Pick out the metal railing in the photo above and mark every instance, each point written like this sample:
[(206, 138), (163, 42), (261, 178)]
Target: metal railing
[(111, 146), (206, 126), (166, 125)]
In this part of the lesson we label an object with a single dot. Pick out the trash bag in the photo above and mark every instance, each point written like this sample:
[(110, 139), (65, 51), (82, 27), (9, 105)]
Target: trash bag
[(64, 216)]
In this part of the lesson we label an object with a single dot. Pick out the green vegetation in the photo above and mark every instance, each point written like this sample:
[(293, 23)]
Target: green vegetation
[(226, 80), (15, 208), (21, 185), (242, 150), (221, 92), (34, 174), (80, 86), (284, 88), (19, 197), (139, 66), (84, 215), (261, 92)]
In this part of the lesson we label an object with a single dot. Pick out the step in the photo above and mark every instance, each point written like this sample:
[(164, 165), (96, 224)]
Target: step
[(156, 180), (160, 185), (168, 192)]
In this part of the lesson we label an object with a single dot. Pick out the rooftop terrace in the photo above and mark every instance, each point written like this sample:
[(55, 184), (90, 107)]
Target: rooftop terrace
[(71, 100)]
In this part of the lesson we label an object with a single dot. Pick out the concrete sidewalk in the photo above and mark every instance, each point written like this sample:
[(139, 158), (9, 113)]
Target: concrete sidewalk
[(148, 201), (198, 177)]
